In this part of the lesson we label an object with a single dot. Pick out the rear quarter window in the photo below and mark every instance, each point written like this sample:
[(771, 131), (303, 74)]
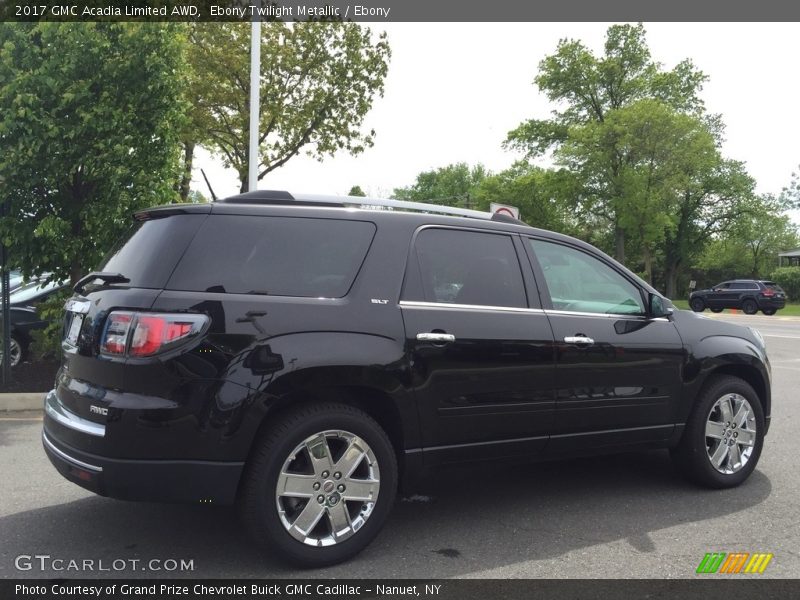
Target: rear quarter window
[(276, 256), (148, 253)]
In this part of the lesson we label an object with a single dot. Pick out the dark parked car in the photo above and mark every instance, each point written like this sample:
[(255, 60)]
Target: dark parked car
[(747, 295), (24, 302), (304, 356)]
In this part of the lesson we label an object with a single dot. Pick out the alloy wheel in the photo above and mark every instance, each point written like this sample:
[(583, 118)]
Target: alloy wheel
[(16, 353), (730, 433), (327, 488)]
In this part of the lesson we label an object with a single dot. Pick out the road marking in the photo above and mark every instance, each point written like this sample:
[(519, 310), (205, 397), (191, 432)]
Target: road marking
[(20, 418), (786, 337)]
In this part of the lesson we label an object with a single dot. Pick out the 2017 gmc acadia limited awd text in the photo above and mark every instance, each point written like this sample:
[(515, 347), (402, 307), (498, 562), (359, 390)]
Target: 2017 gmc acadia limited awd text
[(302, 356)]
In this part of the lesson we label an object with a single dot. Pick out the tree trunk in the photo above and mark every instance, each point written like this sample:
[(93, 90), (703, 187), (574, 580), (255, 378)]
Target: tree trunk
[(75, 271), (619, 239), (186, 177), (672, 280), (648, 264)]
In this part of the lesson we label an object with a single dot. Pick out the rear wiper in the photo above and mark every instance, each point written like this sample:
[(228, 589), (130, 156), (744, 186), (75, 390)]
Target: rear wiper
[(103, 276)]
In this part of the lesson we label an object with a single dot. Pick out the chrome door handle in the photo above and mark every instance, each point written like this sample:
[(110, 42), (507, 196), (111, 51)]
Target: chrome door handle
[(581, 340), (436, 337)]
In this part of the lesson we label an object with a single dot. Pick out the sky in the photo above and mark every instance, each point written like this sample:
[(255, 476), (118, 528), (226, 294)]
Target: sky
[(454, 91)]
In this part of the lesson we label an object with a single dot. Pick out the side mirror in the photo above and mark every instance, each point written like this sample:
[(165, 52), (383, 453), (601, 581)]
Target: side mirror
[(659, 306)]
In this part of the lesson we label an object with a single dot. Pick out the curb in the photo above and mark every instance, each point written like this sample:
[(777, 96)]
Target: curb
[(16, 401)]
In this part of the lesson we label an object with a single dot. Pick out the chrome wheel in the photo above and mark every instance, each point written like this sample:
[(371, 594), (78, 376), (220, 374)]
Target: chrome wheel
[(16, 353), (730, 433), (327, 488)]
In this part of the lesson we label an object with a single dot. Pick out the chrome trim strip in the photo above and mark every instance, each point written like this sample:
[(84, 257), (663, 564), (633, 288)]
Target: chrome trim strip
[(77, 306), (549, 311), (479, 307), (575, 313), (68, 458), (69, 419)]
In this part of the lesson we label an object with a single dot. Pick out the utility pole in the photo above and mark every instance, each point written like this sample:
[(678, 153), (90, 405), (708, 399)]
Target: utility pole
[(255, 93), (6, 308)]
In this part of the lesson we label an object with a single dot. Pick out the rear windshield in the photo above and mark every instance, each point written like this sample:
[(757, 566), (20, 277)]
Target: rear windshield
[(277, 256), (771, 285), (147, 254)]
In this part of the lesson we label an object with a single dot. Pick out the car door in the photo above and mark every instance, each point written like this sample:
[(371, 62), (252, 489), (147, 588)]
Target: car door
[(722, 296), (481, 355), (618, 372)]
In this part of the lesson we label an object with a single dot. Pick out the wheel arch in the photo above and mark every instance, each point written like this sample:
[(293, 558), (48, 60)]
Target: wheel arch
[(751, 375), (399, 423)]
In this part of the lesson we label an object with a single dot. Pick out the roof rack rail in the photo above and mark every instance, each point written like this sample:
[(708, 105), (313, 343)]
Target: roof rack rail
[(282, 197)]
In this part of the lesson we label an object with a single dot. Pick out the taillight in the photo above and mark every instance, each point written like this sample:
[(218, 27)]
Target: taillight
[(768, 293), (115, 336), (146, 334)]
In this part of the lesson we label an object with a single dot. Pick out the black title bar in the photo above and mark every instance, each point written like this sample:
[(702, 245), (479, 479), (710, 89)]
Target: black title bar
[(703, 587), (400, 10)]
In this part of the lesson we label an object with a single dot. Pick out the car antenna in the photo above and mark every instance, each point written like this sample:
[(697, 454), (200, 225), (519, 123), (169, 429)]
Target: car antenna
[(210, 189)]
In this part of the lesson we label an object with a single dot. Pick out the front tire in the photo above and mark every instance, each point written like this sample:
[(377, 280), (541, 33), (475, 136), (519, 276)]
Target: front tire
[(724, 435), (716, 310), (319, 485), (697, 304)]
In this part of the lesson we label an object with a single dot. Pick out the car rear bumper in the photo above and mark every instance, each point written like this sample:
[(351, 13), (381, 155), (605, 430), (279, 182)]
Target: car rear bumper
[(775, 303), (187, 481)]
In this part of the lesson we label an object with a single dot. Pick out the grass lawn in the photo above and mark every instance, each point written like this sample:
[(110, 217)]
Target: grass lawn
[(791, 309)]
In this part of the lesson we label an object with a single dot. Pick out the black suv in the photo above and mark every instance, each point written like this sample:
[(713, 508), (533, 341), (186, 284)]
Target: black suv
[(748, 295), (304, 356)]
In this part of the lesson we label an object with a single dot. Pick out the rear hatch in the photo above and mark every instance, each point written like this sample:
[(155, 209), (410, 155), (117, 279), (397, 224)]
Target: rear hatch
[(773, 289), (136, 270)]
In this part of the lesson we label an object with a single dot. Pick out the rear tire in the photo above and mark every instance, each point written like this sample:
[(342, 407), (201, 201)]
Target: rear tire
[(716, 310), (749, 307), (706, 454), (769, 311), (326, 448), (697, 304)]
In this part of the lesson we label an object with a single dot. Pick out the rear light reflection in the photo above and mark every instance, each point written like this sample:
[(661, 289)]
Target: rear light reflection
[(147, 334)]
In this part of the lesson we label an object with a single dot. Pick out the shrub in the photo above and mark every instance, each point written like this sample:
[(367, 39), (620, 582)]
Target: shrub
[(789, 279), (46, 342)]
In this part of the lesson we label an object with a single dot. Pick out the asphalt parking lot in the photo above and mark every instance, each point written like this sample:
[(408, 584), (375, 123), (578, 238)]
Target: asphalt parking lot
[(627, 516)]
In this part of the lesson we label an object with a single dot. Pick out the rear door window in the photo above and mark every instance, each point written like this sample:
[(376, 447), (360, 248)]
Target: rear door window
[(465, 267), (276, 256)]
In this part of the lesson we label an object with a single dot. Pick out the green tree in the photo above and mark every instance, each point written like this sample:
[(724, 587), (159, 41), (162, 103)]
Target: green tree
[(356, 191), (318, 82), (588, 90), (453, 185), (88, 129), (537, 192), (750, 247), (791, 193), (708, 204)]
